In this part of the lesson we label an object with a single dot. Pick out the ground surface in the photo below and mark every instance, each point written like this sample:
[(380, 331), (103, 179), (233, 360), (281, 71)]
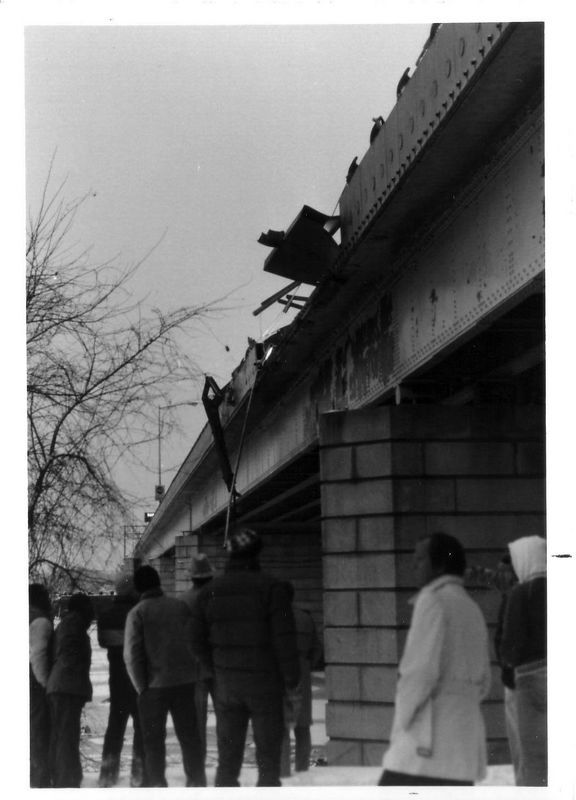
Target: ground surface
[(95, 717)]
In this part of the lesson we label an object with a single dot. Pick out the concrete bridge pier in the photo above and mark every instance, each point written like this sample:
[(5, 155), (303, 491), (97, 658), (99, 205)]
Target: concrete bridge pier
[(388, 476)]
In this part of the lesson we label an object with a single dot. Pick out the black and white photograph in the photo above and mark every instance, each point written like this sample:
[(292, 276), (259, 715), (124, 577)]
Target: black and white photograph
[(291, 390)]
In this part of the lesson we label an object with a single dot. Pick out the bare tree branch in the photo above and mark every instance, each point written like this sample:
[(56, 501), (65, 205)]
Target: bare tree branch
[(98, 366)]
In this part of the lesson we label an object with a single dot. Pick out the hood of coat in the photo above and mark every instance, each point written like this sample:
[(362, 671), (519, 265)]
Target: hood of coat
[(528, 557)]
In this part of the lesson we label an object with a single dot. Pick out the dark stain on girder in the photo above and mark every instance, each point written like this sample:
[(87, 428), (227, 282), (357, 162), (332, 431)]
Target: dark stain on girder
[(362, 360)]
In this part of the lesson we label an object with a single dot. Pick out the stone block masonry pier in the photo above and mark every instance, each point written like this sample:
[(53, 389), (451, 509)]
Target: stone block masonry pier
[(389, 476)]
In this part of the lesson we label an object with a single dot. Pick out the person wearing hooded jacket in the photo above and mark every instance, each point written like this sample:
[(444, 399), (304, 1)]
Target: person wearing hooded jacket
[(523, 648)]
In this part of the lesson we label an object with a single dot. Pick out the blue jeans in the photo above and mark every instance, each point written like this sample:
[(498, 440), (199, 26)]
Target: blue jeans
[(234, 708), (511, 717)]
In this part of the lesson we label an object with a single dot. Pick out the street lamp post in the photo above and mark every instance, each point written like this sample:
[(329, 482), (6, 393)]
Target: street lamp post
[(159, 490)]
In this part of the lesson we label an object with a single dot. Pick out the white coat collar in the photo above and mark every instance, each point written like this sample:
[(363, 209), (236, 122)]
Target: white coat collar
[(436, 584)]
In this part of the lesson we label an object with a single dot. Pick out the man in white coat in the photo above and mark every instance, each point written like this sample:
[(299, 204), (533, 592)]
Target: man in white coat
[(438, 735)]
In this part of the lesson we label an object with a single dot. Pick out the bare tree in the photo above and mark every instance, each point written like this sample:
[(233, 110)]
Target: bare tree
[(97, 368)]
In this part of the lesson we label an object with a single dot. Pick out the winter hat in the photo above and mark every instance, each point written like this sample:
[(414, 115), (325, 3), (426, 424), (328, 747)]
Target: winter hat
[(244, 544), (82, 604), (125, 586), (145, 578), (201, 567), (528, 556), (38, 597)]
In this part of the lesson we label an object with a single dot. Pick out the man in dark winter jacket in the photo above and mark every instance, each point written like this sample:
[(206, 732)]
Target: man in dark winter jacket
[(243, 629), (68, 689), (40, 640), (160, 662), (123, 697)]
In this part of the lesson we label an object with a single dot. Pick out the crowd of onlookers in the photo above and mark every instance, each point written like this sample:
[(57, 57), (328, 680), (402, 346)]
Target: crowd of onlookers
[(238, 638)]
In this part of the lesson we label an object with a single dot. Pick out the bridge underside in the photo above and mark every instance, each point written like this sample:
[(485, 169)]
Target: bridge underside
[(502, 364)]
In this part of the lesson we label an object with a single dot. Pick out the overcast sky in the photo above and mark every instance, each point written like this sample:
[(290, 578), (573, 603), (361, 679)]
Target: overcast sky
[(203, 137)]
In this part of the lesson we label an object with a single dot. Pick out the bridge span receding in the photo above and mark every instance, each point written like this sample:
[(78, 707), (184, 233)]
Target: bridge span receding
[(408, 393)]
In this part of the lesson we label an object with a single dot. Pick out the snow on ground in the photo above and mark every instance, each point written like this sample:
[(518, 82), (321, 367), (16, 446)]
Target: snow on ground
[(95, 717)]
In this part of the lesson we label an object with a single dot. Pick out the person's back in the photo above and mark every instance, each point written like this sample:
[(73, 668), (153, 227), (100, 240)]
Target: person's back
[(201, 573), (243, 629), (466, 642), (250, 637), (309, 647), (164, 625), (112, 622), (525, 636), (110, 626), (298, 702), (72, 651), (160, 662), (123, 699)]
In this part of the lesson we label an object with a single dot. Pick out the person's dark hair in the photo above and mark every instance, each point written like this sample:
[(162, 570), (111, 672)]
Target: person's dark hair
[(38, 596), (146, 578), (445, 551), (245, 544), (82, 604)]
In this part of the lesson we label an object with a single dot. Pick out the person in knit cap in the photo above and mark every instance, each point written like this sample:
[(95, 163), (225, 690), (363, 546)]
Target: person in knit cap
[(40, 640), (523, 648), (243, 629), (201, 573), (160, 662), (123, 697)]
